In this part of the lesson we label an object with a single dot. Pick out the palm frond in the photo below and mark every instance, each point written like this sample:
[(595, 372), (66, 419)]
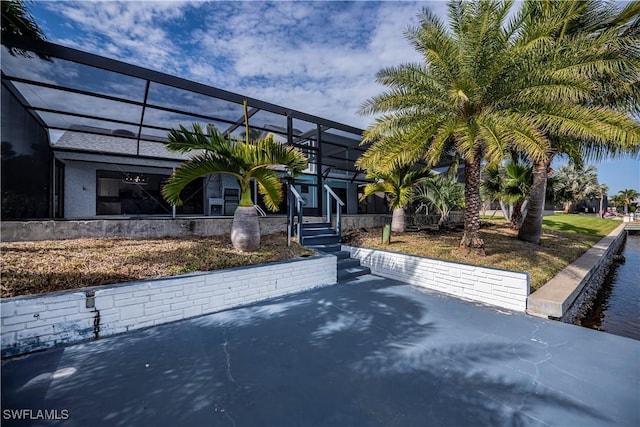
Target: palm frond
[(197, 167), (270, 186)]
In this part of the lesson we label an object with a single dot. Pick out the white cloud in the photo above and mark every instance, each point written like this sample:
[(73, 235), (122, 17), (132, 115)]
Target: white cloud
[(317, 57)]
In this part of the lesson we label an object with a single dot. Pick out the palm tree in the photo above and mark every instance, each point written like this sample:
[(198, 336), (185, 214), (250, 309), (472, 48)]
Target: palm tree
[(573, 183), (246, 161), (492, 187), (629, 195), (510, 188), (465, 99), (18, 21), (516, 190), (617, 200), (442, 193), (399, 184), (598, 45)]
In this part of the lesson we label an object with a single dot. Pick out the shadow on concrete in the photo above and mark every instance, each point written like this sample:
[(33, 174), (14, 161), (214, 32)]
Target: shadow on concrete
[(371, 354)]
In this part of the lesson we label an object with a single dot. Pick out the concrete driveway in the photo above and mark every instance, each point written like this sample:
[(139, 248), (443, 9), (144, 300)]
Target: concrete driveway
[(372, 352)]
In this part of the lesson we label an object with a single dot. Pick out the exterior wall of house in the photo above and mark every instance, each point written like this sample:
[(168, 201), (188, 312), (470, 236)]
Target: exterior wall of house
[(80, 185)]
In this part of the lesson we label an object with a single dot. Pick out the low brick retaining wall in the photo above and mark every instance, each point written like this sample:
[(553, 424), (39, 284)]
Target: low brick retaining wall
[(38, 322), (569, 293), (502, 288), (34, 230), (24, 231)]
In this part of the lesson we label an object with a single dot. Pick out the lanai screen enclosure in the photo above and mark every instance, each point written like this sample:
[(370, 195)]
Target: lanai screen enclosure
[(83, 137)]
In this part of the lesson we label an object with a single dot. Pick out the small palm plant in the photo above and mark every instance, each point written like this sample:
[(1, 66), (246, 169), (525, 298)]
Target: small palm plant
[(246, 161), (399, 184), (442, 193), (516, 191)]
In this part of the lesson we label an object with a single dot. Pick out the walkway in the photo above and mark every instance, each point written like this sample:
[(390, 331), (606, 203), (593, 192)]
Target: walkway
[(372, 352)]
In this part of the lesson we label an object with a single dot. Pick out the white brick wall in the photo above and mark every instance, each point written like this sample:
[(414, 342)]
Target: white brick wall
[(502, 288), (39, 322)]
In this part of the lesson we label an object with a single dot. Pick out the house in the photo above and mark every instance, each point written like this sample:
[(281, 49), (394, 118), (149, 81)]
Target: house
[(83, 138)]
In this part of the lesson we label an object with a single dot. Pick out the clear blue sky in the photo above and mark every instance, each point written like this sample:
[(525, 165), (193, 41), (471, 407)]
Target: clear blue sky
[(317, 57)]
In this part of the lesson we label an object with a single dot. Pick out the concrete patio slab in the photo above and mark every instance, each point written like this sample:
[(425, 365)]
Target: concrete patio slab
[(372, 352)]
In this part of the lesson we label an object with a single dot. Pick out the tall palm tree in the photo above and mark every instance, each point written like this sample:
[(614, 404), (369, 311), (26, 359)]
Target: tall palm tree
[(246, 161), (629, 195), (442, 193), (597, 43), (399, 184), (466, 98), (488, 87)]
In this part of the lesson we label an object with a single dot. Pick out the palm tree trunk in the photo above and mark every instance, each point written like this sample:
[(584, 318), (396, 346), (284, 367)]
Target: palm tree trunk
[(516, 216), (398, 221), (505, 211), (531, 228), (471, 238), (601, 201), (245, 229)]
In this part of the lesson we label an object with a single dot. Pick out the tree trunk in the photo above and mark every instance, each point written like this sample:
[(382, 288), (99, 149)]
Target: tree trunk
[(531, 228), (471, 238), (516, 216), (397, 220), (245, 230), (601, 211), (505, 211)]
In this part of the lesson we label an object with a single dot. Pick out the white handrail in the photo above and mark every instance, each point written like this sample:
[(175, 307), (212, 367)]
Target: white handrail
[(339, 204), (299, 203), (261, 212), (295, 193)]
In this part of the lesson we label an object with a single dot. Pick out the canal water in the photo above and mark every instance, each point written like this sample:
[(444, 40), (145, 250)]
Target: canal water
[(617, 305)]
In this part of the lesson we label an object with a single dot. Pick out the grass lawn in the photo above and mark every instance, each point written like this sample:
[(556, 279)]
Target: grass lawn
[(565, 238), (582, 224), (39, 267)]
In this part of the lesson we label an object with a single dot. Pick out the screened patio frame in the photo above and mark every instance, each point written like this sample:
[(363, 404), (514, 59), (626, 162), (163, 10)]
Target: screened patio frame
[(332, 146)]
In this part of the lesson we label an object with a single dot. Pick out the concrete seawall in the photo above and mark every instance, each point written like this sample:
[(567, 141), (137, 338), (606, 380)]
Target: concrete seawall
[(568, 294)]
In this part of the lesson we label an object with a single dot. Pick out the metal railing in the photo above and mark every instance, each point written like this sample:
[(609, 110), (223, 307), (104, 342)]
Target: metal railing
[(260, 211), (339, 205), (295, 203)]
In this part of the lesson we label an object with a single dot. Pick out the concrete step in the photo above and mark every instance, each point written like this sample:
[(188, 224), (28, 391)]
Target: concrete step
[(341, 254), (306, 225), (321, 239), (348, 263), (317, 231), (351, 272), (331, 248)]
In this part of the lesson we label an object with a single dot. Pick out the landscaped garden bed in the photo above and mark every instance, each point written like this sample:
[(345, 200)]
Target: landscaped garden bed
[(565, 238), (47, 266)]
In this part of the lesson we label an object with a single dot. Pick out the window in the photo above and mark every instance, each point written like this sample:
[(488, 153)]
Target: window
[(136, 193)]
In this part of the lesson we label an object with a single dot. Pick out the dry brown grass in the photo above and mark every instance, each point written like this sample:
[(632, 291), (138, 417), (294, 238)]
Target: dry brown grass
[(39, 267), (503, 250)]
